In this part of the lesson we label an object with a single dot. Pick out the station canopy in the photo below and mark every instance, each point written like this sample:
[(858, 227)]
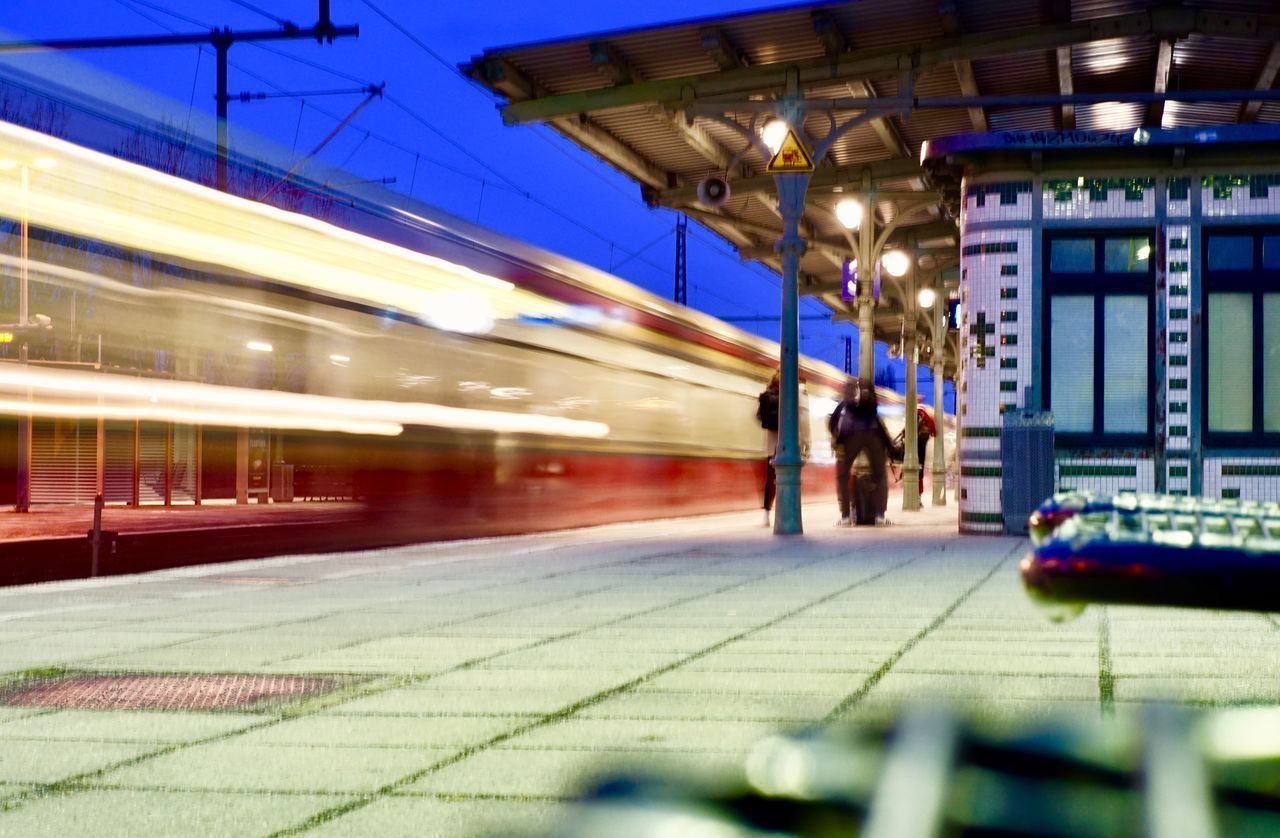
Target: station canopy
[(640, 99)]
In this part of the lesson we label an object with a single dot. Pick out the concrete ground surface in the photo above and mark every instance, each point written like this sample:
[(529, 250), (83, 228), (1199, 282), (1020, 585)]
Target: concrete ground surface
[(483, 682)]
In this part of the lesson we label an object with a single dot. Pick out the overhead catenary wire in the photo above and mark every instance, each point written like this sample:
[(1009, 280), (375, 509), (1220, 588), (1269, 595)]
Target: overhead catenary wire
[(503, 182)]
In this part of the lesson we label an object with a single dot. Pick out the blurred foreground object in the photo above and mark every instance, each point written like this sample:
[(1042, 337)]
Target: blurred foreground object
[(1169, 773), (1155, 550)]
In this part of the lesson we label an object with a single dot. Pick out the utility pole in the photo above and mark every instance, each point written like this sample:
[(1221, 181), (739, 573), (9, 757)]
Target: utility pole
[(324, 31), (682, 260)]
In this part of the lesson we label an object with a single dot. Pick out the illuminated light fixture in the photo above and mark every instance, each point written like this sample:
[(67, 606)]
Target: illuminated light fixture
[(259, 346), (340, 359), (1141, 136), (849, 213), (896, 262), (1080, 182), (927, 297), (773, 133), (1144, 253)]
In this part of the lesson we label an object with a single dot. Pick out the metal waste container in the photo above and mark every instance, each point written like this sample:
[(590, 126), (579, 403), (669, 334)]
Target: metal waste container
[(1026, 465), (282, 482)]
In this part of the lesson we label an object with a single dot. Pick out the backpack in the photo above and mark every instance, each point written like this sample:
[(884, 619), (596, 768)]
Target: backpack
[(847, 424)]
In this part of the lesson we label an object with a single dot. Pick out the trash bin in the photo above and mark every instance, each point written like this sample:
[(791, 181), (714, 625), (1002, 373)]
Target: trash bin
[(1026, 465), (282, 482)]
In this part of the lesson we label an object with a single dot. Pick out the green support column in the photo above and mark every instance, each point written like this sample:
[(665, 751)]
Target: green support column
[(911, 461), (787, 462), (939, 413)]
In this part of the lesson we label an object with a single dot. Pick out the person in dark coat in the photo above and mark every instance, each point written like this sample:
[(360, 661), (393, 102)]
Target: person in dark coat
[(767, 415), (855, 428)]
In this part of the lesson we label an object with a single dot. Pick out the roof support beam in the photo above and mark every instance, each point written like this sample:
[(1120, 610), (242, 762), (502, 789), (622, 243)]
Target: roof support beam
[(721, 49), (825, 179), (950, 16), (863, 64), (834, 44), (1066, 86), (1164, 60), (508, 80), (1266, 77)]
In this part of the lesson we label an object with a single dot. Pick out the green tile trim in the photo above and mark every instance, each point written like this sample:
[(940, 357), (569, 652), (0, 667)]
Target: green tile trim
[(1178, 290), (989, 247), (1008, 386), (982, 517), (1008, 363), (1007, 191), (1177, 430), (1008, 317), (1009, 293), (1229, 494), (1179, 492), (1178, 244), (1179, 267), (1179, 190), (1008, 340), (1177, 337), (1178, 471), (1177, 360), (1251, 471), (1008, 270), (980, 471), (1177, 407), (1178, 314), (980, 432), (1223, 185), (1177, 384), (1097, 471)]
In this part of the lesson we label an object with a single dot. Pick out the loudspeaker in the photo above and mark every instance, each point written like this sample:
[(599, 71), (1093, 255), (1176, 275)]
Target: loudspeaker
[(714, 192)]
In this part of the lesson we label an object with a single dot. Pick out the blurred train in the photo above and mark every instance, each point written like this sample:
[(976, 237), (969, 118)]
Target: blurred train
[(184, 345)]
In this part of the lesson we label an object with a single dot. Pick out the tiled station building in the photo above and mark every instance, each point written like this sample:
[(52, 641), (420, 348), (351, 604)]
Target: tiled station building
[(1129, 283)]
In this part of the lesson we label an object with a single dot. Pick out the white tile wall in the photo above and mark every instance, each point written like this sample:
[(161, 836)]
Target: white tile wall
[(1239, 204), (1252, 487), (1080, 206), (993, 210)]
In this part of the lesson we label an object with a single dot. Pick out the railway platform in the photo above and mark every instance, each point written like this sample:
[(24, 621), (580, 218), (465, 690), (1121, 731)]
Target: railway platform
[(473, 687)]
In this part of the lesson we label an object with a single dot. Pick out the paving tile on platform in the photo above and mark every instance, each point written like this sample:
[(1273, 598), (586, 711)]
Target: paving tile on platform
[(126, 726), (412, 816), (128, 813), (230, 766), (47, 761)]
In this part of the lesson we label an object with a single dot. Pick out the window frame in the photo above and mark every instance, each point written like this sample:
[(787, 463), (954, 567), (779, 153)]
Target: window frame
[(1099, 285), (1255, 282)]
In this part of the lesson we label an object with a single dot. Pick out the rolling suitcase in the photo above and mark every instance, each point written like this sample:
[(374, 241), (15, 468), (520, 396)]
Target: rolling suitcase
[(864, 501)]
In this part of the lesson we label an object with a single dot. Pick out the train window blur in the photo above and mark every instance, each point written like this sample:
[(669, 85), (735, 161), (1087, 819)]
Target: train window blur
[(1271, 253)]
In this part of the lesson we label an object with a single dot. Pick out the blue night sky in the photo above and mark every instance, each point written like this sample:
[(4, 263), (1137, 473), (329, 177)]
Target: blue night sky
[(439, 135)]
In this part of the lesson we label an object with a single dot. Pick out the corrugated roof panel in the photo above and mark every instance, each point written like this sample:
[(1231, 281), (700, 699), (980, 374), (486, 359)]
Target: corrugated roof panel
[(1199, 113), (1201, 63), (1110, 116), (1025, 119), (1021, 73), (1115, 65), (987, 15)]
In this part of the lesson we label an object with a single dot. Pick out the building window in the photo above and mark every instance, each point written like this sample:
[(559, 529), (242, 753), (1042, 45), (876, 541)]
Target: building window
[(1242, 338), (1098, 358)]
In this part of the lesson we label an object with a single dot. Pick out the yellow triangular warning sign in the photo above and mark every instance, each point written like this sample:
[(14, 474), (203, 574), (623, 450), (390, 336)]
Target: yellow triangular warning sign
[(792, 157)]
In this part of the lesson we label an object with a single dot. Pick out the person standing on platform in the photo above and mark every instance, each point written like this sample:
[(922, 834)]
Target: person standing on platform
[(855, 428), (767, 414), (925, 428)]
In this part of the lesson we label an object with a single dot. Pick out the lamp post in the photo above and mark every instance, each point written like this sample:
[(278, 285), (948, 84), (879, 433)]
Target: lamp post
[(939, 409), (22, 499)]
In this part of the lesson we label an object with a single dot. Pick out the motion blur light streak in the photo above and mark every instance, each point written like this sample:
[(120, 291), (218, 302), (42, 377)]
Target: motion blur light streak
[(68, 393)]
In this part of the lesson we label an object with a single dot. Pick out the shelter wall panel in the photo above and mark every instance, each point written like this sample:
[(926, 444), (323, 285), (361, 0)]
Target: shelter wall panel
[(1246, 478)]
